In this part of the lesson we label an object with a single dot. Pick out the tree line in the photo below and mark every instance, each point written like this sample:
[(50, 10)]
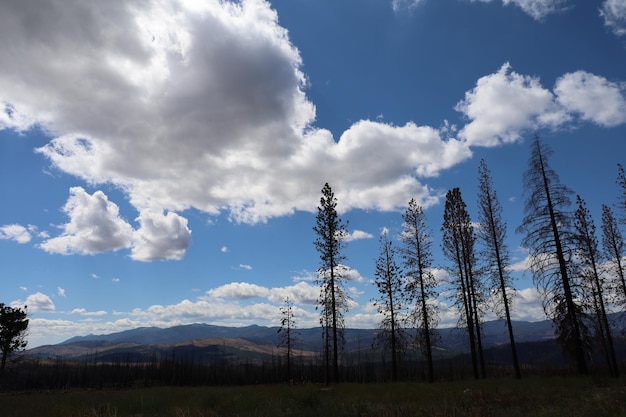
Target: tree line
[(578, 279)]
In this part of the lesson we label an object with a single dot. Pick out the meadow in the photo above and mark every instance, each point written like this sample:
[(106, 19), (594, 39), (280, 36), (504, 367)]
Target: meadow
[(534, 396)]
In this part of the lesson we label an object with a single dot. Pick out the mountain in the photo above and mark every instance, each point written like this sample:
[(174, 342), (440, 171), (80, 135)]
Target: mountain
[(207, 342)]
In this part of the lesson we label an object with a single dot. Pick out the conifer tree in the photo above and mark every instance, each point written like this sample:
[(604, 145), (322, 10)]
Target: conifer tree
[(469, 297), (287, 331), (492, 234), (331, 233), (613, 245), (390, 303), (421, 283), (591, 259), (13, 326), (549, 238)]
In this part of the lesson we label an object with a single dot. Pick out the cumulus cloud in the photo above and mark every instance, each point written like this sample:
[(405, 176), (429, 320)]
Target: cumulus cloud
[(357, 235), (594, 98), (36, 303), (504, 104), (154, 105), (160, 236), (300, 293), (15, 232), (94, 226), (614, 14), (239, 290)]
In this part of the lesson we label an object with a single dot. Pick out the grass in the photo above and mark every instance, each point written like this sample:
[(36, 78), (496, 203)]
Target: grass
[(569, 397)]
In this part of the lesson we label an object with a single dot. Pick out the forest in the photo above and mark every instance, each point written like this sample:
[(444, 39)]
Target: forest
[(578, 270)]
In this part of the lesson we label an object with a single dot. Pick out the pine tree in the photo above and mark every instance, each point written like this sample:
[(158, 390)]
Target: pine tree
[(549, 239), (613, 245), (420, 288), (13, 326), (287, 331), (492, 233), (390, 304), (331, 233), (458, 247), (590, 258)]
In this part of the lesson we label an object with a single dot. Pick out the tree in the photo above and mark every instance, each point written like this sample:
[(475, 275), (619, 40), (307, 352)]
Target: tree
[(549, 239), (590, 257), (421, 283), (621, 202), (613, 245), (458, 247), (331, 233), (391, 302), (492, 233), (13, 325), (287, 331)]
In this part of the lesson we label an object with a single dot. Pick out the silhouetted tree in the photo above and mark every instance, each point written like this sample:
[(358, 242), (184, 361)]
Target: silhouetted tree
[(613, 245), (549, 239), (421, 283), (621, 200), (331, 233), (390, 304), (492, 234), (590, 258), (287, 331), (458, 247), (13, 325)]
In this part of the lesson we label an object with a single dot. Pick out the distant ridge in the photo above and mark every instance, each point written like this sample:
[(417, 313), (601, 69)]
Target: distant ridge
[(494, 333)]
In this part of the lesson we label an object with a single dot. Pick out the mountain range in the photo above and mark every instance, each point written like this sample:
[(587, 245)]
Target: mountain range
[(208, 342)]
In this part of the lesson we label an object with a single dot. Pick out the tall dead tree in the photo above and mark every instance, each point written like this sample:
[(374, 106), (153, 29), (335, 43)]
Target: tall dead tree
[(495, 253), (547, 225)]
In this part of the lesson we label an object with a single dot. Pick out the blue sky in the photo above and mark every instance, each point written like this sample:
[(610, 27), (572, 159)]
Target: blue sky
[(162, 161)]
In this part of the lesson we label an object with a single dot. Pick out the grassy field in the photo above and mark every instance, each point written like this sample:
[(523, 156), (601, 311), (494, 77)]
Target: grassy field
[(569, 397)]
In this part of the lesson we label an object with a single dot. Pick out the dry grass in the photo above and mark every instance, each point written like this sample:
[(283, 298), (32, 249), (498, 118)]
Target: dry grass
[(568, 397)]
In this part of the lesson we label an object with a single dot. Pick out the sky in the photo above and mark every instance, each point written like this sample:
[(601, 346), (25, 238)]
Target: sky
[(161, 161)]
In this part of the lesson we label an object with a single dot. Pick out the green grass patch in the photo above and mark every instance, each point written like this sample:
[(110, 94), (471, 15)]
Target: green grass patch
[(568, 397)]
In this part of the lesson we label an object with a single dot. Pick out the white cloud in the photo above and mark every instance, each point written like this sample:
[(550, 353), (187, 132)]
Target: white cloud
[(399, 5), (160, 236), (224, 249), (15, 232), (538, 9), (126, 119), (357, 235), (614, 14), (503, 104), (246, 267), (594, 98), (94, 226), (239, 290), (84, 312), (60, 292), (36, 303)]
